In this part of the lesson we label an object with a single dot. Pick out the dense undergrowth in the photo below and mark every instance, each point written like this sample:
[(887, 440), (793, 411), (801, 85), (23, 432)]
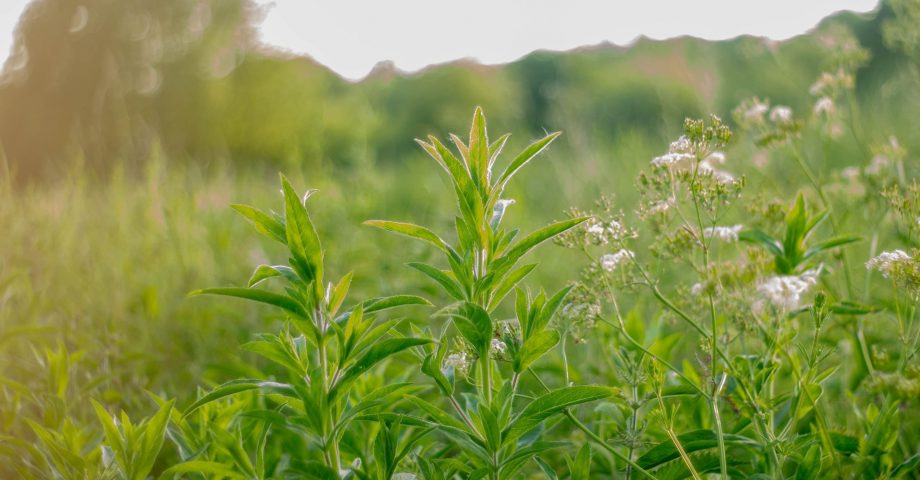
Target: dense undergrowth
[(743, 307)]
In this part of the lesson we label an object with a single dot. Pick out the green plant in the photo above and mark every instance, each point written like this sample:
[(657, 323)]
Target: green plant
[(322, 353), (497, 436)]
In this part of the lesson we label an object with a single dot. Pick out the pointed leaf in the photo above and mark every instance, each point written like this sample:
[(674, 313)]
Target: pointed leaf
[(282, 301), (530, 241), (449, 284), (377, 353), (263, 222), (531, 151), (534, 348), (301, 237), (552, 403), (410, 230)]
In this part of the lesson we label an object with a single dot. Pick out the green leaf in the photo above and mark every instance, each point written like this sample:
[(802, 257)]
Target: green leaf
[(760, 238), (314, 470), (495, 149), (301, 237), (449, 284), (829, 244), (383, 303), (216, 469), (264, 272), (112, 435), (581, 467), (796, 222), (232, 388), (479, 149), (263, 222), (530, 241), (852, 308), (810, 464), (410, 230), (458, 170), (552, 403), (490, 428), (534, 348), (692, 442), (475, 325), (548, 310), (378, 352), (339, 293), (272, 348), (911, 465), (508, 283), (152, 442), (522, 159), (281, 301)]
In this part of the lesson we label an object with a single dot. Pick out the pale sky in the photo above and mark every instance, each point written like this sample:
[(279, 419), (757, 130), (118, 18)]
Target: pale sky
[(351, 36)]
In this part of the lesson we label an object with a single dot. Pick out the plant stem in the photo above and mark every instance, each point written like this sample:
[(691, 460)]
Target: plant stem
[(593, 436), (487, 378), (565, 358), (332, 444)]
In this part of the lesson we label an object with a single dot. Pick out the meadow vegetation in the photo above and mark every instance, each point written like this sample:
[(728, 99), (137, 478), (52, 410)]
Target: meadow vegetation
[(728, 295)]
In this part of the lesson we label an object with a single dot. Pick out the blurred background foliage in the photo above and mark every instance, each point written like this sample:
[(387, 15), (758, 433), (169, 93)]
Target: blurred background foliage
[(127, 128), (113, 80)]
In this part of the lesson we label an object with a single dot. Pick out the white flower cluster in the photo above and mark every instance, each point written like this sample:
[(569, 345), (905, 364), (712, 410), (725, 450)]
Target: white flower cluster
[(756, 111), (498, 347), (602, 233), (781, 114), (824, 105), (581, 311), (707, 166), (460, 361), (681, 158), (885, 155), (680, 155), (785, 291), (661, 206), (726, 234), (697, 288), (611, 261), (831, 83), (888, 262)]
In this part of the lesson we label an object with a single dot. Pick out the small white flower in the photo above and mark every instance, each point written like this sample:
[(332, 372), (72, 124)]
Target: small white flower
[(697, 289), (886, 262), (878, 163), (672, 159), (715, 158), (601, 233), (680, 153), (781, 114), (824, 105), (596, 232), (726, 234), (581, 311), (850, 173), (460, 361), (661, 206), (498, 346), (681, 145), (756, 112), (611, 261), (785, 291)]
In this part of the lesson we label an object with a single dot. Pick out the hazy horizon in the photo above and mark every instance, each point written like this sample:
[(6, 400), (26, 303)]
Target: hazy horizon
[(350, 37)]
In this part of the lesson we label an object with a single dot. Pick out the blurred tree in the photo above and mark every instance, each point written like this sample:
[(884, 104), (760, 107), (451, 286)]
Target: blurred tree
[(108, 77)]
